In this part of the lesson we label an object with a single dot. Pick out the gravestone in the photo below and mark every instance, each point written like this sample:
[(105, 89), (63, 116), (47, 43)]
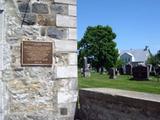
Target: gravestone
[(112, 73), (86, 69), (153, 71), (122, 70), (38, 59), (158, 72), (140, 72), (150, 67), (157, 69), (128, 69), (117, 72)]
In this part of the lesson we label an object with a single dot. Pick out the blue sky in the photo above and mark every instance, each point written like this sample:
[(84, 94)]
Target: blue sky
[(136, 22)]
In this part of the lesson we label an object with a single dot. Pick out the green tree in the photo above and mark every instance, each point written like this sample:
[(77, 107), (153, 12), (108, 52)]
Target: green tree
[(154, 59), (98, 44), (119, 63)]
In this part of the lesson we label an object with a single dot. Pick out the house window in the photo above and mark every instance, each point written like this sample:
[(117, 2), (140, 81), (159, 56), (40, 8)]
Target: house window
[(126, 60), (129, 59)]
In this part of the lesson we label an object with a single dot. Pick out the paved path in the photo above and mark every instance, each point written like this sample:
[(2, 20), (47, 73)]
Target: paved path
[(126, 93)]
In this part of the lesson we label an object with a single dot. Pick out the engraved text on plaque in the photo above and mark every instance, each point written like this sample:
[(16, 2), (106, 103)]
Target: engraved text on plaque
[(36, 53)]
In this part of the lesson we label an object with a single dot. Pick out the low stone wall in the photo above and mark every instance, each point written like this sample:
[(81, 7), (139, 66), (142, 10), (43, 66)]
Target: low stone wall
[(112, 104)]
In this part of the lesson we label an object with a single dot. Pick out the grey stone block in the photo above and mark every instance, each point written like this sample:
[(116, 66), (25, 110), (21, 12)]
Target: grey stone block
[(46, 20), (40, 8), (58, 33), (28, 19), (59, 9), (24, 7)]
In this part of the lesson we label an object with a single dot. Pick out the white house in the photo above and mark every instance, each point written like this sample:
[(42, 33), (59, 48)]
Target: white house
[(135, 56)]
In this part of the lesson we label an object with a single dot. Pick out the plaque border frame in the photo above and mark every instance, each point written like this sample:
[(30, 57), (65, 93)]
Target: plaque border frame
[(38, 65)]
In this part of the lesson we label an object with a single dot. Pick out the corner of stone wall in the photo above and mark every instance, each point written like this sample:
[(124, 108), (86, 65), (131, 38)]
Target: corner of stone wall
[(40, 92)]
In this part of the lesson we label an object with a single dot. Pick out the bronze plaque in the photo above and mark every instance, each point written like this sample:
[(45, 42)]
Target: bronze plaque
[(36, 53)]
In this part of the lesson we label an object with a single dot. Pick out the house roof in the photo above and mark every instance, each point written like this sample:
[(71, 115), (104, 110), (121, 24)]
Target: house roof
[(127, 54), (139, 54)]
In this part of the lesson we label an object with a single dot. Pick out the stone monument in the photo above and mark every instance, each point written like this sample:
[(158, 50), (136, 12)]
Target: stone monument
[(141, 72), (38, 59), (153, 71), (86, 70), (128, 69), (122, 70), (150, 67), (112, 73)]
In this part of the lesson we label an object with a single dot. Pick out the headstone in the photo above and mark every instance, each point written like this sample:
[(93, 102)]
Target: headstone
[(153, 71), (86, 70), (140, 72), (122, 70), (157, 72), (128, 69), (117, 72), (150, 67), (112, 73), (157, 69)]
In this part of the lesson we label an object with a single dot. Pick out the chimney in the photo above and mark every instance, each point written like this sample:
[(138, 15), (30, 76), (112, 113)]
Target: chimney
[(146, 48)]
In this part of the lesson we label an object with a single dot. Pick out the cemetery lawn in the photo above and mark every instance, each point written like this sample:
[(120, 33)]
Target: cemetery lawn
[(121, 82)]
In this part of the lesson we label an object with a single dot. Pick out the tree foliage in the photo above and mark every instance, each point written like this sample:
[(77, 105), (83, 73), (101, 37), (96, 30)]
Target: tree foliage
[(119, 63), (98, 45), (154, 59)]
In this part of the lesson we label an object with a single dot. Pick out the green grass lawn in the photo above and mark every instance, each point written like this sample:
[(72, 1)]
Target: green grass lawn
[(121, 82)]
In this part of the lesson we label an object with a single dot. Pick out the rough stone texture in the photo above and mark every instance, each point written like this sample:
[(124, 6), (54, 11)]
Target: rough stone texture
[(59, 9), (58, 33), (112, 104), (24, 7), (37, 93), (40, 8), (29, 19), (46, 20)]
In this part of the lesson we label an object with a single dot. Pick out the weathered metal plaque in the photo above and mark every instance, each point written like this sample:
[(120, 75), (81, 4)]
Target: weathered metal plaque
[(36, 53)]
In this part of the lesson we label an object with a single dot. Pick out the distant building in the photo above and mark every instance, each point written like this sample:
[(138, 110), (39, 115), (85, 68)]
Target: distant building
[(135, 56)]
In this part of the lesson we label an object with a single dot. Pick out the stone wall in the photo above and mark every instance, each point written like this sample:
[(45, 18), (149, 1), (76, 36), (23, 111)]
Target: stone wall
[(38, 93), (112, 104)]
